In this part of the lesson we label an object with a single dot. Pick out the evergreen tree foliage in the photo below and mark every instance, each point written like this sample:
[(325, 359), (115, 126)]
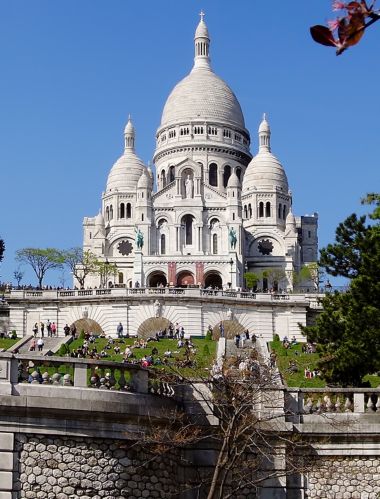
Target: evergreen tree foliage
[(348, 329), (2, 249)]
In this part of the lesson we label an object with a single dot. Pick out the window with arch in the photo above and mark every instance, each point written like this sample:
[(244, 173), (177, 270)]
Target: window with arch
[(171, 173), (198, 130), (238, 173), (215, 244), (172, 133), (227, 133), (250, 210), (212, 130), (280, 210), (261, 209), (122, 210), (142, 217), (163, 178), (267, 209), (107, 213), (284, 212), (111, 212), (163, 244), (187, 222), (129, 210), (121, 278), (245, 211), (226, 175), (213, 174)]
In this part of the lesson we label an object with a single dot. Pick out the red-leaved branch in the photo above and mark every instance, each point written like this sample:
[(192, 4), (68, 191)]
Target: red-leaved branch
[(347, 29)]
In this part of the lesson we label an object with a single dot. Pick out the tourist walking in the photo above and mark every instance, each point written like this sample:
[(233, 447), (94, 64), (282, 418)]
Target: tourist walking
[(35, 329), (40, 344), (53, 329), (119, 330), (42, 328), (48, 327)]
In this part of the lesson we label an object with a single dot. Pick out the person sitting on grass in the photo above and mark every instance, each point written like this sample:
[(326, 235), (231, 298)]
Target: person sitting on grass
[(116, 350), (180, 343), (128, 353), (103, 354), (294, 341), (154, 351), (157, 361), (167, 353)]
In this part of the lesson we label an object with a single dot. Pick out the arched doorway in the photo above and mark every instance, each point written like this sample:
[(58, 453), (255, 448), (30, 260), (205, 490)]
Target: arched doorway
[(213, 279), (88, 326), (184, 279), (231, 328), (157, 279), (151, 326)]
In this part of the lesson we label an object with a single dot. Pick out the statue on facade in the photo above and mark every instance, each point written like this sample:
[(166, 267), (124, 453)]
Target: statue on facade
[(189, 187), (229, 314), (157, 308), (232, 237), (139, 238)]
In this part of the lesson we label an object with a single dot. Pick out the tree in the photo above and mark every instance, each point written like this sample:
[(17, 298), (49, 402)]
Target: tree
[(41, 260), (348, 29), (80, 263), (348, 329), (2, 249), (105, 270), (251, 280), (18, 275), (240, 410)]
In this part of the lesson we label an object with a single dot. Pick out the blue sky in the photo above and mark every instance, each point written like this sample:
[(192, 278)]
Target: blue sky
[(72, 71)]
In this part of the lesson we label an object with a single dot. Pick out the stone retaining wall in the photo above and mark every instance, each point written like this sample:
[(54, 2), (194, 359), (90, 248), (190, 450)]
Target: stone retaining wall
[(61, 468), (345, 478)]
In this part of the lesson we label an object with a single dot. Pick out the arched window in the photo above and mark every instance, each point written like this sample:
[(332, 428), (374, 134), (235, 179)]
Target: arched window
[(280, 210), (187, 222), (163, 179), (238, 173), (261, 209), (171, 173), (215, 244), (245, 212), (129, 210), (213, 175), (267, 209), (122, 210), (121, 278), (250, 210), (284, 212), (107, 213), (226, 175), (142, 217), (111, 212), (163, 244)]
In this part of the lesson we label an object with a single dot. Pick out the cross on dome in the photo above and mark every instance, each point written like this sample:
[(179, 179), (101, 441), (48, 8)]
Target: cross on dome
[(202, 15)]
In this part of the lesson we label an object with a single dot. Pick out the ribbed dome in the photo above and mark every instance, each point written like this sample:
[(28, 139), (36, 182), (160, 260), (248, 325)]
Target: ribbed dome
[(99, 219), (125, 173), (144, 181), (264, 172), (202, 95), (233, 181)]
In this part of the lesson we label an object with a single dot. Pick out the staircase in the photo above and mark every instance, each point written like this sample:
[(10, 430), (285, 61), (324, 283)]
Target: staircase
[(50, 345)]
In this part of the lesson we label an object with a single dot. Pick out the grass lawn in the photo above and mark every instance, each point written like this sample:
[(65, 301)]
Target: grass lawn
[(303, 361), (204, 356), (7, 343)]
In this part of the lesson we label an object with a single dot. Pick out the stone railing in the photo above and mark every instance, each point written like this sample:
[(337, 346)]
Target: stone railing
[(188, 292), (16, 370), (304, 401)]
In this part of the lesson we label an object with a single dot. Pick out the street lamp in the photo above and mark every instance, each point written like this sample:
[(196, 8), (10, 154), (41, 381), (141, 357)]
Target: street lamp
[(231, 262)]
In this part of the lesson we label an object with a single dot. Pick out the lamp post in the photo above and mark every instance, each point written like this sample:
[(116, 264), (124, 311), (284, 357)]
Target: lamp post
[(245, 271), (231, 262)]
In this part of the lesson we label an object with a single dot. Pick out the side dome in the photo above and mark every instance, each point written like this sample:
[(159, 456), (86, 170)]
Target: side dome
[(202, 95), (265, 172), (127, 170), (144, 181)]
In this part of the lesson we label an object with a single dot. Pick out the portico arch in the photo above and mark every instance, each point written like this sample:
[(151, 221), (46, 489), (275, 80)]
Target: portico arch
[(213, 279), (156, 279), (185, 278)]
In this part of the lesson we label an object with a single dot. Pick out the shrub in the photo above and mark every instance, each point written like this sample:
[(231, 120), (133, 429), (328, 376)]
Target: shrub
[(81, 336), (276, 337), (208, 335), (14, 335), (63, 350)]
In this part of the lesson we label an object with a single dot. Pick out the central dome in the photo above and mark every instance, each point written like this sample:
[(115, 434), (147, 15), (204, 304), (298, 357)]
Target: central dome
[(202, 96)]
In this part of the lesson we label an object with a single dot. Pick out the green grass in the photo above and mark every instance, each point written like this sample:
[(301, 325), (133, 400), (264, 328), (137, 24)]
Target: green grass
[(303, 361), (203, 358), (7, 342)]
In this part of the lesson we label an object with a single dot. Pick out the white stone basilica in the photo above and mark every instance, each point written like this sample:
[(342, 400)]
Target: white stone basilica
[(217, 213)]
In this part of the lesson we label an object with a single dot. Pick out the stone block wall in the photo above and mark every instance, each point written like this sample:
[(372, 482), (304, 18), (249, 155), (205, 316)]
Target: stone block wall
[(70, 468), (344, 478)]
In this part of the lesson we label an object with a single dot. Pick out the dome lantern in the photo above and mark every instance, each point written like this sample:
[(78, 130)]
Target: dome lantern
[(202, 45), (129, 135), (264, 134)]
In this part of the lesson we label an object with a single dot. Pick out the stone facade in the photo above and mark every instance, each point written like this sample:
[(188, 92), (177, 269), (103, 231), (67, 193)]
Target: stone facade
[(212, 212), (62, 468), (356, 477)]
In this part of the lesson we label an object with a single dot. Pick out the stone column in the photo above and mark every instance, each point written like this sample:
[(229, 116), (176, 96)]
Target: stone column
[(7, 458)]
